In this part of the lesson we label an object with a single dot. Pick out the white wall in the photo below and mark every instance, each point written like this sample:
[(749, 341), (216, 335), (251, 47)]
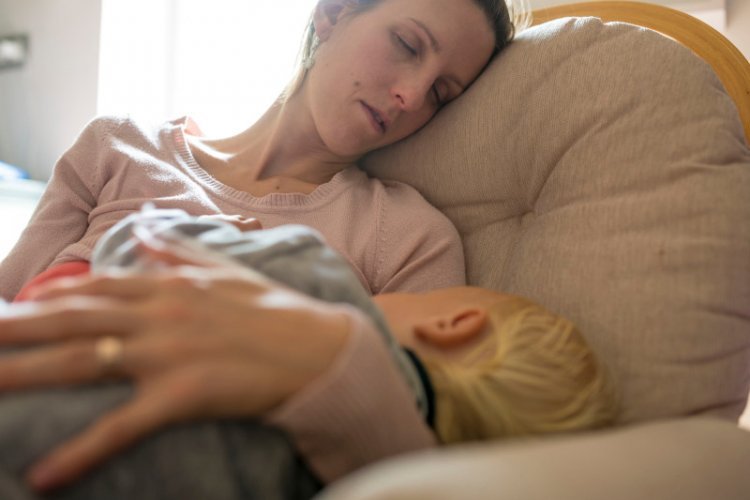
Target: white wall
[(44, 104), (738, 24)]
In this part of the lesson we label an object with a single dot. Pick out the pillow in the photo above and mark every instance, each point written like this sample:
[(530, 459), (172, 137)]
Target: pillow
[(601, 170), (690, 459)]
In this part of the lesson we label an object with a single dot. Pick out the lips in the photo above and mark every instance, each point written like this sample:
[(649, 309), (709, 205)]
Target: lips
[(377, 119)]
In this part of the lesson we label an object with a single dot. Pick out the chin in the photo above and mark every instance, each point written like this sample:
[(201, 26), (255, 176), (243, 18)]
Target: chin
[(350, 148), (355, 141)]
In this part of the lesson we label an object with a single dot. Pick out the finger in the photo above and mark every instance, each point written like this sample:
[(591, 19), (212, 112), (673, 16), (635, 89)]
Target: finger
[(67, 318), (241, 223), (161, 254), (169, 250), (249, 224), (61, 365), (122, 285), (111, 434)]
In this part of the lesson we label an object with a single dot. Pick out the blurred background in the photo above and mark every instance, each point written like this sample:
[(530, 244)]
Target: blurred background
[(220, 61)]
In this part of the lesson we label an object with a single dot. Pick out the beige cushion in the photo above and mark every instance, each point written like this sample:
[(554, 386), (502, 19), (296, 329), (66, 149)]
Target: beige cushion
[(685, 459), (601, 170)]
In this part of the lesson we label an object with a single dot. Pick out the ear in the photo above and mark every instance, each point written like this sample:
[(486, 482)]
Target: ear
[(452, 329), (327, 14)]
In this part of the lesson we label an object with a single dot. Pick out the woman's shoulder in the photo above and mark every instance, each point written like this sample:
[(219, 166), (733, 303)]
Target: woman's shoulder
[(129, 129), (405, 203), (394, 193), (101, 126), (408, 217), (108, 142)]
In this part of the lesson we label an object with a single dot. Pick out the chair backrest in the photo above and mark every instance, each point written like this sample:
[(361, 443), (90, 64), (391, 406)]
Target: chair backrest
[(730, 65), (602, 170)]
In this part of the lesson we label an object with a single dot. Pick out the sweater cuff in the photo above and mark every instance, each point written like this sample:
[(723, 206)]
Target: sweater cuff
[(359, 411)]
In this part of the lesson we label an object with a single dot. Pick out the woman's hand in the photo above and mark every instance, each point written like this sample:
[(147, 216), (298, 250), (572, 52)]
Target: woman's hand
[(197, 344), (241, 223)]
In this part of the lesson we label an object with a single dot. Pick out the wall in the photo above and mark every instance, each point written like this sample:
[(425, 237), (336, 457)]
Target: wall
[(738, 24), (44, 104)]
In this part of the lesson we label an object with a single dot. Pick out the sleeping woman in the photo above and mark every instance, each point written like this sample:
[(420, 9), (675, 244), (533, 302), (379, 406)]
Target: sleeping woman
[(372, 73)]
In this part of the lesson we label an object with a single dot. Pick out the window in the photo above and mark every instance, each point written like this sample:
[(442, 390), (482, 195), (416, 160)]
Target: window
[(223, 62)]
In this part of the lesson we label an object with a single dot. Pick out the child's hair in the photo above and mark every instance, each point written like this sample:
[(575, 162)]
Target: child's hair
[(534, 374)]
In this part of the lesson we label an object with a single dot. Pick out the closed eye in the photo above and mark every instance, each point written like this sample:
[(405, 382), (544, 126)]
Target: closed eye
[(441, 93), (405, 45), (436, 95), (414, 52)]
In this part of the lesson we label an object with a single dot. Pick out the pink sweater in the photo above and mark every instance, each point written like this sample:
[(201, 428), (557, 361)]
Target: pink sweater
[(394, 239)]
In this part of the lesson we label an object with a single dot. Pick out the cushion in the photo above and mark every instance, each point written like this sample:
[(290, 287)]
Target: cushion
[(688, 458), (601, 170)]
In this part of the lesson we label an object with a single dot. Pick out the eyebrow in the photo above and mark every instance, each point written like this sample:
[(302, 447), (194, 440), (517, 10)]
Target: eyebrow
[(433, 40), (436, 47)]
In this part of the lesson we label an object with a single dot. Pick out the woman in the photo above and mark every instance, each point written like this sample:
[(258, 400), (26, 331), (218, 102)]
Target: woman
[(375, 72), (372, 74)]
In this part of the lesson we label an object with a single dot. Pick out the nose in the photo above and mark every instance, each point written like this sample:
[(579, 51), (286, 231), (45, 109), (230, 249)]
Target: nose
[(411, 91)]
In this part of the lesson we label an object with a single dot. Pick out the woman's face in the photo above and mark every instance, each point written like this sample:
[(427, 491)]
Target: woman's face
[(380, 75)]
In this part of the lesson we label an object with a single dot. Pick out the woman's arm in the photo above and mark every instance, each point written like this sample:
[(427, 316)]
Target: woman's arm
[(202, 344), (358, 412), (61, 218), (417, 247)]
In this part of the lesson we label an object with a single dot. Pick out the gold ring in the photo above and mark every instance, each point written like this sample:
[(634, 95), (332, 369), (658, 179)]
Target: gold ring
[(109, 351)]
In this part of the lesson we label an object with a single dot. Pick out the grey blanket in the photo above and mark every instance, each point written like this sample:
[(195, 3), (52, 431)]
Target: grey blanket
[(202, 461)]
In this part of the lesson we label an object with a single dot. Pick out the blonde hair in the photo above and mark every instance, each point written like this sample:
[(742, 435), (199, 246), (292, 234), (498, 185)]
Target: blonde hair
[(507, 17), (535, 374)]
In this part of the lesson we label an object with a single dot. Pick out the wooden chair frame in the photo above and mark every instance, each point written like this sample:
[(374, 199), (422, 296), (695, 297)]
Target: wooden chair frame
[(727, 61)]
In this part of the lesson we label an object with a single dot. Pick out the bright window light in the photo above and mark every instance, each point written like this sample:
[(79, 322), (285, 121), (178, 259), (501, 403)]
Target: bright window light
[(222, 62)]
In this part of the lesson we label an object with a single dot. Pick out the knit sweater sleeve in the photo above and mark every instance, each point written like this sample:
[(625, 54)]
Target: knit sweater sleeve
[(418, 248), (61, 217), (358, 412)]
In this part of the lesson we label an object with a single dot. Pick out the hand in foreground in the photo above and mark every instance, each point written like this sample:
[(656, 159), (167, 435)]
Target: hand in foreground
[(197, 344)]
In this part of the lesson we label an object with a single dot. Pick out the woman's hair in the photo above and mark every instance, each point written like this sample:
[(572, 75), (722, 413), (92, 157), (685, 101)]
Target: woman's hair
[(505, 16), (534, 374)]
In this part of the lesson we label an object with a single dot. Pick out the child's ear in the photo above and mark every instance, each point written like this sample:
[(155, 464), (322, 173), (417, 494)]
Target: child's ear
[(327, 14), (452, 329)]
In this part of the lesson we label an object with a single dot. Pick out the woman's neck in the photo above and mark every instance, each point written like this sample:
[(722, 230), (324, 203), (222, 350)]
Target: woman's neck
[(282, 143)]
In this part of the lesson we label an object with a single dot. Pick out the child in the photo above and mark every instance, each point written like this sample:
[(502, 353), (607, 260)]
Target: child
[(482, 364)]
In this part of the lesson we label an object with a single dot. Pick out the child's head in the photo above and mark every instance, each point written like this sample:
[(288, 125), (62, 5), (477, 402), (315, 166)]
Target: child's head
[(500, 365)]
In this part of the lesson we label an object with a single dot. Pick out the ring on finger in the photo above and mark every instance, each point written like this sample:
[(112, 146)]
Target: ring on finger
[(109, 354)]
